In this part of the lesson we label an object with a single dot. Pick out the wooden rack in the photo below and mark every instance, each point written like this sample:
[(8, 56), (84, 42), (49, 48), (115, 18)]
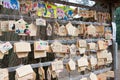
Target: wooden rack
[(16, 17)]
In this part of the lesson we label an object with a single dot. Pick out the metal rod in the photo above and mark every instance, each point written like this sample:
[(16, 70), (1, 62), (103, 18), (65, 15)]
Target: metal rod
[(73, 41), (12, 69), (96, 72), (11, 17)]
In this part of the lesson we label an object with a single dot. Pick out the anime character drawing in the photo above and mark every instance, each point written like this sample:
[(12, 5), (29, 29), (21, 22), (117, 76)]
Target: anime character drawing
[(41, 9), (14, 4), (60, 13), (51, 10)]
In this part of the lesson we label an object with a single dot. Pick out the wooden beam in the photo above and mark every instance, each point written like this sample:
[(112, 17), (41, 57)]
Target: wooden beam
[(75, 4)]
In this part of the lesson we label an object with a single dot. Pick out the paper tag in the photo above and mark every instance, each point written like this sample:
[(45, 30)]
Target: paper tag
[(40, 22), (24, 70), (5, 47)]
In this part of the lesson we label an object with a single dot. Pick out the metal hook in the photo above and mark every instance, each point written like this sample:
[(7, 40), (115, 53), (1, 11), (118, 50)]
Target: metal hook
[(33, 19), (21, 40), (39, 39), (21, 63), (14, 17), (39, 62), (8, 17), (21, 17)]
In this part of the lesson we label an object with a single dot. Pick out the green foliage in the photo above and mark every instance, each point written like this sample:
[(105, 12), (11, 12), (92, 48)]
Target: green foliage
[(117, 20)]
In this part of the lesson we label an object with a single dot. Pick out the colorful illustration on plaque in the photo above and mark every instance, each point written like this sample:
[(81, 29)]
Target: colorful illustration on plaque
[(5, 47), (35, 6), (11, 25), (11, 4), (14, 4), (41, 11), (68, 12), (6, 4), (51, 11), (41, 45), (25, 7), (22, 28), (60, 13), (29, 5)]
